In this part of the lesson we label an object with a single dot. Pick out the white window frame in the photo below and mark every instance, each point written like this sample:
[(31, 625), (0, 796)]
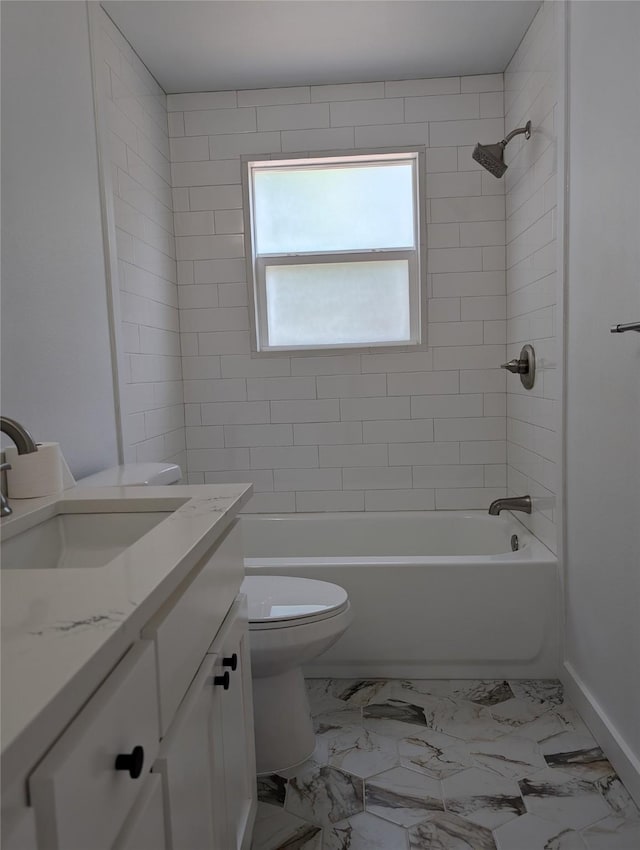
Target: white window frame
[(256, 264)]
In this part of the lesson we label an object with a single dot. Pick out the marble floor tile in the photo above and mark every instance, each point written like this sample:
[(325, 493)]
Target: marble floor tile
[(276, 829), (556, 796), (482, 691), (324, 795), (482, 797), (425, 764), (433, 753), (403, 796), (450, 832), (517, 712), (358, 692), (577, 755), (613, 834), (511, 756), (333, 721), (538, 690), (531, 833), (358, 751), (322, 700), (464, 720), (272, 789), (618, 797), (365, 832)]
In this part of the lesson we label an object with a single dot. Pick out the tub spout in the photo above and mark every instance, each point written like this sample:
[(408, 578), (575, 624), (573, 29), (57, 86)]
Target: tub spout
[(517, 503)]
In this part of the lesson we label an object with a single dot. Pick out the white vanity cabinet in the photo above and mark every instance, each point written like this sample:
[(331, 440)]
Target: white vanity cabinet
[(161, 757)]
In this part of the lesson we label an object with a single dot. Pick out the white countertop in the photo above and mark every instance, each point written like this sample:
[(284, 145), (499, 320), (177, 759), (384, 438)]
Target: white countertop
[(64, 629)]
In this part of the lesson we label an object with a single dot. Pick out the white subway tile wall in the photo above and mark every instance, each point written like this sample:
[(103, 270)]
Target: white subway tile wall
[(532, 252), (357, 431), (134, 108)]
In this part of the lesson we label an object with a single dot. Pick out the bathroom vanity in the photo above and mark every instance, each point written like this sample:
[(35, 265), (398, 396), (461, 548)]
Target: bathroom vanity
[(127, 714)]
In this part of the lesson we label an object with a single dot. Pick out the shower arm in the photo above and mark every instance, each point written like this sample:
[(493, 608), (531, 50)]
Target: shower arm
[(526, 130)]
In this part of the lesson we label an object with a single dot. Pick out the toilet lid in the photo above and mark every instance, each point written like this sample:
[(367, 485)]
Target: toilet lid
[(283, 600)]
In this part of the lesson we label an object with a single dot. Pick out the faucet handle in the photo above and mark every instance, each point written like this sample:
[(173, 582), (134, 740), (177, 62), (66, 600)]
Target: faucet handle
[(4, 467), (518, 367)]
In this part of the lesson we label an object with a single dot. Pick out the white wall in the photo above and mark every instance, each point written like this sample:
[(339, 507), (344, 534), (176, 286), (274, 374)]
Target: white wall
[(56, 359), (603, 378), (135, 145), (370, 431), (533, 279)]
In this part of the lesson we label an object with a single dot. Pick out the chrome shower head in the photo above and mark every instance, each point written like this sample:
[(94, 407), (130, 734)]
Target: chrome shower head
[(491, 157)]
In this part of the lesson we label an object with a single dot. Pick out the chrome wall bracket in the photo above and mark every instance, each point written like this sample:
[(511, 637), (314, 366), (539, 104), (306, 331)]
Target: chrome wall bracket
[(525, 366)]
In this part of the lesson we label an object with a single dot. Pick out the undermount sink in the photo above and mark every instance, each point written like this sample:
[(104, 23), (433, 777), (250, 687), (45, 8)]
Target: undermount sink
[(77, 541)]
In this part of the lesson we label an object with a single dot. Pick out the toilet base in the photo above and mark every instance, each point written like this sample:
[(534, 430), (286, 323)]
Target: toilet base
[(282, 719)]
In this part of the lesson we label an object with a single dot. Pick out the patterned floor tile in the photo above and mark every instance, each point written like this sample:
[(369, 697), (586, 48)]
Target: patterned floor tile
[(272, 789), (531, 833), (276, 829), (403, 796), (518, 712), (324, 795), (365, 832), (511, 756), (482, 691), (450, 832), (577, 755), (618, 797), (437, 765), (613, 834), (356, 750), (538, 690), (433, 753), (482, 797), (556, 796)]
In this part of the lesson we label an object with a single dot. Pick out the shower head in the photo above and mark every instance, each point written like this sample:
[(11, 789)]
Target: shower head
[(491, 157)]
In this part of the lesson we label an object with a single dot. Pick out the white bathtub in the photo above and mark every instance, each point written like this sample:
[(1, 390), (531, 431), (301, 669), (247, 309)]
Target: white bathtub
[(436, 594)]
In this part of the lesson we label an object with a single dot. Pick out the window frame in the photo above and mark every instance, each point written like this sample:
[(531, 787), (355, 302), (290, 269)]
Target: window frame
[(256, 264)]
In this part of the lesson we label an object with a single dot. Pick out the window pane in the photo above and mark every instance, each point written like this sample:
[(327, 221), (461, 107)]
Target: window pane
[(334, 208), (338, 303)]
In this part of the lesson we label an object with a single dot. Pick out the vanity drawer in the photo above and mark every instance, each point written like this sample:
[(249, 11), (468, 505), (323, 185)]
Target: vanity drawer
[(185, 626), (80, 799)]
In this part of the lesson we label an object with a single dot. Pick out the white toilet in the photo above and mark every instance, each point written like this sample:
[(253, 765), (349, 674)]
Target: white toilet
[(291, 621), (132, 474)]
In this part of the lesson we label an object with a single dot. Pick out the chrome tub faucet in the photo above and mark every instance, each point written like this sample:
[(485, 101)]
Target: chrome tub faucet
[(516, 503)]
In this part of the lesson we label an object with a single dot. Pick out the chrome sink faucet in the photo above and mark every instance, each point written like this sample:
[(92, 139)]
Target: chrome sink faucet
[(516, 503), (25, 445)]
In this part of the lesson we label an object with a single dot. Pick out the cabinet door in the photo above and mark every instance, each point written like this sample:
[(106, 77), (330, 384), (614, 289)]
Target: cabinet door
[(191, 763), (144, 828), (80, 798), (237, 722)]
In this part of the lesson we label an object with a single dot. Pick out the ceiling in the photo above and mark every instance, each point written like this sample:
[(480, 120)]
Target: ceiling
[(215, 45)]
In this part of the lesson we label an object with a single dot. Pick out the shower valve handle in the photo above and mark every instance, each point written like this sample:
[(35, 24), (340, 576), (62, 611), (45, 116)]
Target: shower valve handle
[(518, 367)]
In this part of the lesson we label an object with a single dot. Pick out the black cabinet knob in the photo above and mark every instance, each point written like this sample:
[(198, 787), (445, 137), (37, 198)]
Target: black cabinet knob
[(223, 680), (232, 662), (132, 762)]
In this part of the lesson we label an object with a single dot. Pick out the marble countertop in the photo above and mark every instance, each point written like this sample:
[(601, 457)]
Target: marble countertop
[(64, 629)]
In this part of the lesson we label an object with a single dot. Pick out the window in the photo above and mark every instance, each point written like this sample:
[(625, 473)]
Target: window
[(334, 246)]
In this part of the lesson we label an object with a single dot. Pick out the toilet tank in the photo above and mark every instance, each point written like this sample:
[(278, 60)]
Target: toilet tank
[(132, 474)]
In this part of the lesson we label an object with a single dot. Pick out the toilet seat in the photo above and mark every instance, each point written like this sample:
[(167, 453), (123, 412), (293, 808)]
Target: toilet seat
[(277, 602)]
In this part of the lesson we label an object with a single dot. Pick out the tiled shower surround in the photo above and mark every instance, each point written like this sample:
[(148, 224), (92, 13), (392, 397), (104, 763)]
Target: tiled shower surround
[(356, 431), (447, 765)]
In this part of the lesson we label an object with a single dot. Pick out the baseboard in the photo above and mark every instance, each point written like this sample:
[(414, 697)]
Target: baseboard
[(615, 748), (546, 668)]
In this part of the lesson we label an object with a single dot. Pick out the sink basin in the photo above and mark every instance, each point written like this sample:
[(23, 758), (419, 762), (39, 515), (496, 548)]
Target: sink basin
[(77, 541)]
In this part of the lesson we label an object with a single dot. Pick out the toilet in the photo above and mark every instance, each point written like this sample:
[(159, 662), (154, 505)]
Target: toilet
[(134, 474), (291, 622)]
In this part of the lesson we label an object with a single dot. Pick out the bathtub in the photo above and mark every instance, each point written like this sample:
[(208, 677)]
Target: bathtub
[(436, 594)]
